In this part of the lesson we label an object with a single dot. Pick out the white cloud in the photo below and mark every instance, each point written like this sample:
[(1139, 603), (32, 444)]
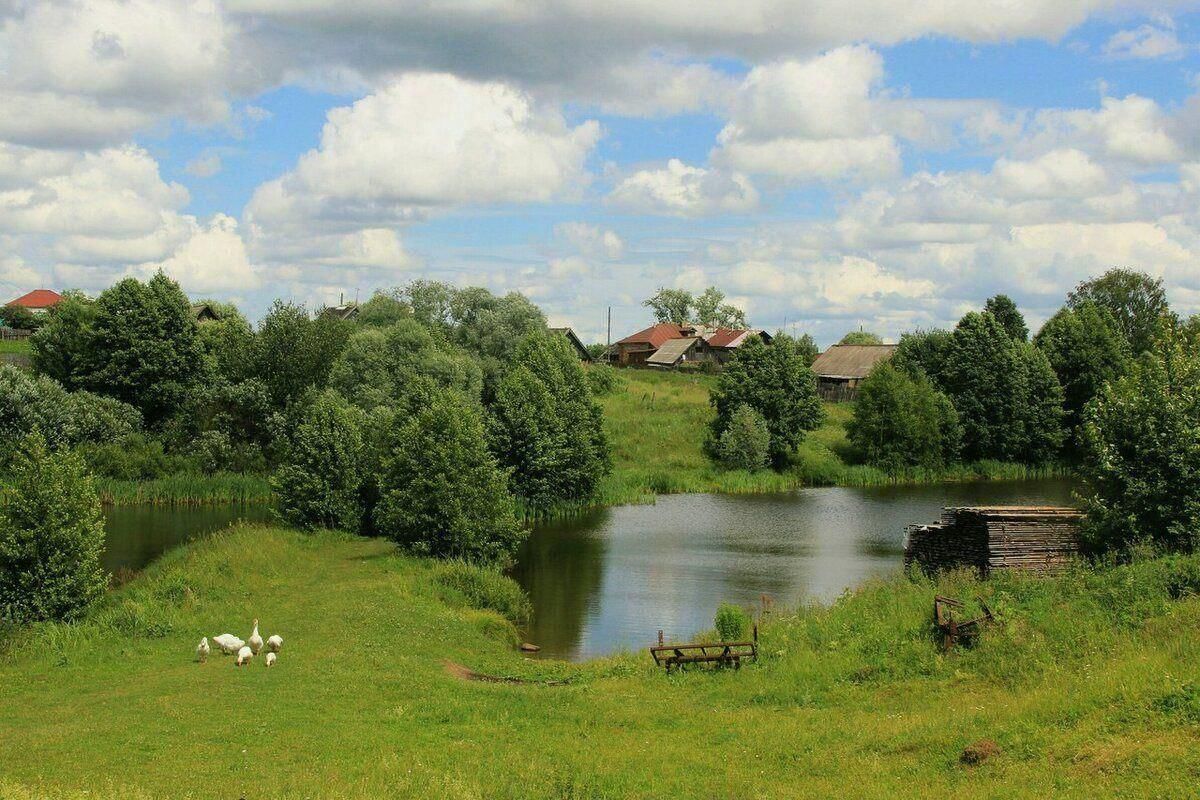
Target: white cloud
[(592, 241), (1146, 41), (685, 191), (213, 259), (204, 166)]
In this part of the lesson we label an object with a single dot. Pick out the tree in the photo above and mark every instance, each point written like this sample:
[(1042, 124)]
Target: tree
[(319, 484), (1005, 311), (430, 302), (1141, 457), (923, 352), (746, 443), (228, 344), (384, 309), (62, 346), (861, 337), (671, 305), (1137, 303), (143, 347), (806, 345), (294, 353), (492, 328), (901, 422), (51, 538), (775, 381), (441, 493), (545, 427), (1086, 351), (714, 312), (19, 318)]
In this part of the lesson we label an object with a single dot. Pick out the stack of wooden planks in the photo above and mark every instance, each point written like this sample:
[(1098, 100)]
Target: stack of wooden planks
[(1040, 538)]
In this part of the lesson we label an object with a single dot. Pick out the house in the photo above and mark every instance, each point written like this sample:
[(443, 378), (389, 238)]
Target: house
[(39, 301), (348, 311), (676, 351), (716, 344), (841, 368), (570, 336), (203, 312)]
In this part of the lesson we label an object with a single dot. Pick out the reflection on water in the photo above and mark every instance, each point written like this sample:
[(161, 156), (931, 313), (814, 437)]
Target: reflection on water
[(611, 579), (136, 535)]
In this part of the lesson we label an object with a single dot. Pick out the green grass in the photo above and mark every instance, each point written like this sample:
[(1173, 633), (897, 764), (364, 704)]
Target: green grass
[(1088, 685), (15, 346), (223, 488), (656, 422)]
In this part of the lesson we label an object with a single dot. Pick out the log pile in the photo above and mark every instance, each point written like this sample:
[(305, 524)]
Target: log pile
[(986, 538)]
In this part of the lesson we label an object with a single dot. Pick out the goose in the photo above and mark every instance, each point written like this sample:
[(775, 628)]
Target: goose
[(275, 643), (202, 650), (255, 641), (271, 659), (243, 657), (228, 643)]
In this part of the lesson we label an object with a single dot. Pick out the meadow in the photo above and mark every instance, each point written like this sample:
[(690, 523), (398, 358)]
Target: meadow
[(1086, 686)]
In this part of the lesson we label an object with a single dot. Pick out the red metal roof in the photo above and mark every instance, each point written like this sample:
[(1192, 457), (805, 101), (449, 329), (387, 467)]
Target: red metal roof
[(38, 298), (657, 335), (723, 337)]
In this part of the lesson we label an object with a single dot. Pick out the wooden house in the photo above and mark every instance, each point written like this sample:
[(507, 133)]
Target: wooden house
[(680, 343), (841, 368), (203, 312), (576, 344)]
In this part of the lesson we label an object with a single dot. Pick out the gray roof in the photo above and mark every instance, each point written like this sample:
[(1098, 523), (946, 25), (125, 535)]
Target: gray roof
[(851, 360), (674, 349)]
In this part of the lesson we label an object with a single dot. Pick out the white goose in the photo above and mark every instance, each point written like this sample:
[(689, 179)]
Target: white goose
[(243, 657), (255, 641), (228, 643), (202, 650), (275, 643), (271, 659)]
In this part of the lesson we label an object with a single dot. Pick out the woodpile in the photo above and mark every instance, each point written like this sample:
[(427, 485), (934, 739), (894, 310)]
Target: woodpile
[(986, 538)]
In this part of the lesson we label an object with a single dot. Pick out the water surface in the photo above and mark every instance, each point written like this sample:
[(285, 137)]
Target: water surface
[(136, 535), (612, 579)]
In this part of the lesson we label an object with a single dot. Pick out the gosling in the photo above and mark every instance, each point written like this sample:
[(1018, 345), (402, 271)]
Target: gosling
[(202, 650), (243, 657), (275, 643), (270, 662)]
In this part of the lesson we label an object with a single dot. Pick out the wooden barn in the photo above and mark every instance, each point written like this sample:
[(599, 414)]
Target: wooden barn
[(681, 343), (841, 368)]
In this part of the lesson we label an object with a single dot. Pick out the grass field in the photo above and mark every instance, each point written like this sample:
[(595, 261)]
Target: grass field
[(16, 346), (657, 422), (1088, 686)]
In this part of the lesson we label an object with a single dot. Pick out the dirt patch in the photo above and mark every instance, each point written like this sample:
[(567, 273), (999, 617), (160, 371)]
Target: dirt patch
[(979, 752), (463, 673)]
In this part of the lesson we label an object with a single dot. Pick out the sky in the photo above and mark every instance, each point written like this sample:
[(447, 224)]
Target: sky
[(829, 164)]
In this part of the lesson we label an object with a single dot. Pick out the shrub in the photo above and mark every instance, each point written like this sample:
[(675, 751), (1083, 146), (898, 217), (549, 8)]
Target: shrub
[(51, 537), (603, 379), (132, 458), (441, 492), (732, 622), (212, 451), (900, 421), (746, 443), (319, 484), (776, 382), (19, 318), (486, 588)]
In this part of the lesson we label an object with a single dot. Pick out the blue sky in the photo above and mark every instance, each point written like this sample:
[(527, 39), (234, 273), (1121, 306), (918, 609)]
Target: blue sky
[(880, 165)]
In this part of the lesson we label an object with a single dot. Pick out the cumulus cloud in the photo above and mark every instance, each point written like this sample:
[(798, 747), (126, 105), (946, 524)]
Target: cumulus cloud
[(1146, 41), (591, 241), (212, 260), (684, 191)]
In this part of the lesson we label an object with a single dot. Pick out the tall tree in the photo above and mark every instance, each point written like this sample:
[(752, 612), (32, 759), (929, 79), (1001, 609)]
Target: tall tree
[(902, 421), (671, 305), (712, 310), (1006, 312), (143, 346), (319, 483), (861, 337), (1137, 303), (775, 381), (61, 347), (294, 353)]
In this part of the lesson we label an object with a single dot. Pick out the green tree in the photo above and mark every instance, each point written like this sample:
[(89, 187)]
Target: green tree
[(671, 305), (441, 493), (143, 347), (1141, 458), (806, 345), (320, 482), (861, 337), (19, 318), (430, 302), (384, 309), (1086, 351), (491, 328), (746, 443), (51, 538), (713, 311), (775, 381), (62, 346), (923, 352), (294, 353), (1009, 316), (1137, 303), (228, 344), (901, 421)]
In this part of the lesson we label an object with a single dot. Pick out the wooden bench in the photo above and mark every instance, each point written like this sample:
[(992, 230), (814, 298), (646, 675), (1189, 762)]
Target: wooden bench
[(722, 654)]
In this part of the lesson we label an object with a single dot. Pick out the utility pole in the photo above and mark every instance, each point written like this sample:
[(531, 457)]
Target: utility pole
[(608, 339)]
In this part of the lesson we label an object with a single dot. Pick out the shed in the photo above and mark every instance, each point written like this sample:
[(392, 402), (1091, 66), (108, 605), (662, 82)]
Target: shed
[(203, 312), (570, 336), (676, 351), (841, 368), (638, 347)]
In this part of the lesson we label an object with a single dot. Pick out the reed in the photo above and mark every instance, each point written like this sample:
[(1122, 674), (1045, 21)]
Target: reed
[(223, 488)]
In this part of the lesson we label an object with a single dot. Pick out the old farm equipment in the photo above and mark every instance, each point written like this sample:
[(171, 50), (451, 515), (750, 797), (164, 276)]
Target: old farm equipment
[(954, 630), (721, 654)]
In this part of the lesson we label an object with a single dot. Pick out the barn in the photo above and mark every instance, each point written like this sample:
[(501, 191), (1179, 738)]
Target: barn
[(841, 368)]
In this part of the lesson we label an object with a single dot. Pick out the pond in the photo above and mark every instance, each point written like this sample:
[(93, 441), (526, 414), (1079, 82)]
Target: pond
[(610, 580)]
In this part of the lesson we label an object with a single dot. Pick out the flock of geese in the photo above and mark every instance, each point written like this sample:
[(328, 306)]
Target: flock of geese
[(245, 650)]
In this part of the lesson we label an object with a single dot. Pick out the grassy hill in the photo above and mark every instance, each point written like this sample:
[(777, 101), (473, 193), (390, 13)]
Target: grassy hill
[(1088, 686)]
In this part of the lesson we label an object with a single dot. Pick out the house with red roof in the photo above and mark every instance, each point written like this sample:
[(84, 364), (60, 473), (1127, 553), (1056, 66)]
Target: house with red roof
[(39, 301), (669, 345)]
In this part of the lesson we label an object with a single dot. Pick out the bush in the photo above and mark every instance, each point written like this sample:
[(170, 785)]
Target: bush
[(603, 379), (132, 458), (900, 421), (775, 381), (746, 443), (320, 483), (486, 588), (732, 622), (51, 538), (441, 492), (19, 318)]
